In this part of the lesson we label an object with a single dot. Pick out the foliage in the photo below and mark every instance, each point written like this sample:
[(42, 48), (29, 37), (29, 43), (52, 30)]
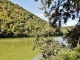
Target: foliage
[(51, 50), (15, 21), (73, 35), (59, 12), (68, 54), (47, 46)]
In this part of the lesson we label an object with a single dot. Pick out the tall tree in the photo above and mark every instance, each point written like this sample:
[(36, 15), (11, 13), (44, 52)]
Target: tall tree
[(59, 12)]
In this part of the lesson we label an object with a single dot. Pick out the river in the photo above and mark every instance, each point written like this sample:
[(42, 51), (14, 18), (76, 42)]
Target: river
[(60, 40)]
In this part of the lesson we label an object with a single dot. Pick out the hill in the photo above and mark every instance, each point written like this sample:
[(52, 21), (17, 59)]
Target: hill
[(64, 29), (15, 21)]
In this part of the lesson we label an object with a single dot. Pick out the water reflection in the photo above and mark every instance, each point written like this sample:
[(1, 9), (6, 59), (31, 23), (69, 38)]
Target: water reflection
[(37, 57), (60, 40)]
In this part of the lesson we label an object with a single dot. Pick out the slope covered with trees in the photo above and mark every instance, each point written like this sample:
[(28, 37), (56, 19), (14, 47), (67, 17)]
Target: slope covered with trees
[(15, 21)]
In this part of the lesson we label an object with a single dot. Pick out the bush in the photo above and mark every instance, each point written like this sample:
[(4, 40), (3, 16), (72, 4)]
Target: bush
[(69, 54)]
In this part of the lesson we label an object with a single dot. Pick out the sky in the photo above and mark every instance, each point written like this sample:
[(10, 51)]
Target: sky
[(32, 6)]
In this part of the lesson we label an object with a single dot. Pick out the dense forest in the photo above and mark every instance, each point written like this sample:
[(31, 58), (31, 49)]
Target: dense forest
[(15, 21)]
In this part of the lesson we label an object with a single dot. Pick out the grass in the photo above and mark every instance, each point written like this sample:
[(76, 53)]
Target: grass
[(17, 49)]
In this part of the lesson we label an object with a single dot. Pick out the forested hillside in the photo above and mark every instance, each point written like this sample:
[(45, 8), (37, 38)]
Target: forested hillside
[(64, 29), (15, 21)]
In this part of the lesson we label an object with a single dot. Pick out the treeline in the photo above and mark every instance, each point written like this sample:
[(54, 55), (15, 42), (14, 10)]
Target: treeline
[(15, 21)]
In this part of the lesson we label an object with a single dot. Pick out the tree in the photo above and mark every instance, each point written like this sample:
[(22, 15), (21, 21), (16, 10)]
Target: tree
[(59, 12), (18, 21)]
